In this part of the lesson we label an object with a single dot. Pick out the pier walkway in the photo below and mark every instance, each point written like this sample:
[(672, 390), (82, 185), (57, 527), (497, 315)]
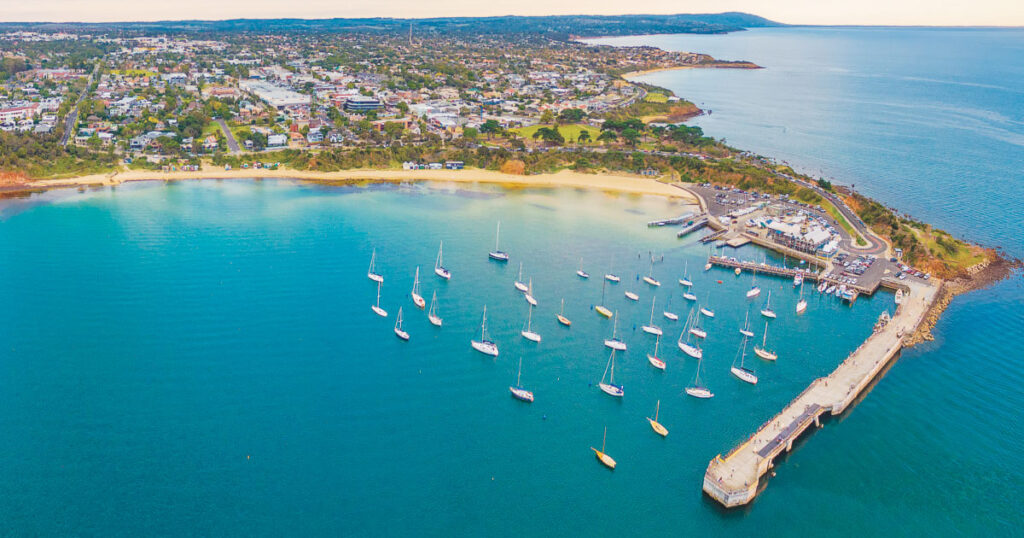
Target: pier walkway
[(733, 479)]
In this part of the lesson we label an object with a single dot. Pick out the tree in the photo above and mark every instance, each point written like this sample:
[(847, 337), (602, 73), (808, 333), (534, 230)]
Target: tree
[(547, 116), (630, 135), (571, 115), (469, 133), (607, 136), (584, 137), (490, 127)]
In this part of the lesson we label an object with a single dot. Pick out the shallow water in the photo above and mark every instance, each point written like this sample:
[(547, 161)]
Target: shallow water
[(201, 358)]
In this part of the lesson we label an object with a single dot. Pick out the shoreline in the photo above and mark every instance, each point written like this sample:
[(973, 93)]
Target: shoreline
[(608, 182), (716, 65)]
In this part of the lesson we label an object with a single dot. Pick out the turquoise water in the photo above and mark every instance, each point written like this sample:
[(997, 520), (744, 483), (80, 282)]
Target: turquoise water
[(201, 358), (930, 121)]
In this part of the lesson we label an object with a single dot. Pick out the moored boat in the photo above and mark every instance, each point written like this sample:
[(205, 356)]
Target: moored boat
[(740, 371), (655, 425), (371, 272), (763, 351), (651, 328), (613, 342), (498, 254), (605, 459), (417, 299), (399, 332), (518, 392), (439, 269), (484, 345), (376, 308), (432, 313), (610, 388), (654, 359)]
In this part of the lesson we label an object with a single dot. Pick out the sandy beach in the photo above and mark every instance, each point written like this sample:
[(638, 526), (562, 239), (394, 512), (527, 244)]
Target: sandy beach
[(620, 183)]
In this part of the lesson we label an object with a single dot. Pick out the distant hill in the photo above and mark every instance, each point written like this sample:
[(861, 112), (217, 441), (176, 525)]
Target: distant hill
[(555, 26)]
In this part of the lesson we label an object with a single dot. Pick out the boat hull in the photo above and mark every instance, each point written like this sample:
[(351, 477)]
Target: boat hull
[(531, 336), (487, 348), (708, 313), (520, 286), (402, 335), (379, 311), (632, 296), (375, 277), (605, 459), (765, 354), (612, 390), (744, 374), (615, 344), (520, 394), (582, 274), (443, 273), (685, 282), (671, 315), (435, 321), (498, 256), (530, 299), (699, 392), (603, 311), (689, 297), (699, 333), (770, 314), (420, 302), (611, 278), (564, 321), (691, 350), (651, 329), (651, 281), (801, 307), (657, 427), (753, 292), (656, 362), (745, 332)]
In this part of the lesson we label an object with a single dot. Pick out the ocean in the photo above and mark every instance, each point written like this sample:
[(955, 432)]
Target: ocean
[(929, 121)]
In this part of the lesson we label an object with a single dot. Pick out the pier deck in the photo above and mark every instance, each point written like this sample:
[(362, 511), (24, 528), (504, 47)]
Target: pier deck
[(733, 479)]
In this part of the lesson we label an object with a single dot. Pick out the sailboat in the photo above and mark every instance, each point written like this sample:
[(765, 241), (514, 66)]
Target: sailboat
[(651, 328), (689, 296), (416, 297), (745, 331), (822, 286), (398, 327), (580, 272), (655, 425), (528, 331), (605, 459), (529, 294), (484, 345), (697, 390), (669, 315), (707, 266), (763, 350), (685, 281), (706, 310), (561, 316), (649, 278), (695, 329), (439, 269), (610, 387), (754, 291), (370, 272), (614, 342), (519, 284), (432, 314), (654, 359), (767, 310), (801, 305), (376, 308), (693, 349), (741, 371), (601, 309), (610, 276), (518, 392), (497, 254)]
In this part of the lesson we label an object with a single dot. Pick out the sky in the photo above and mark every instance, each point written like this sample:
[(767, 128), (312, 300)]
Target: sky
[(861, 12)]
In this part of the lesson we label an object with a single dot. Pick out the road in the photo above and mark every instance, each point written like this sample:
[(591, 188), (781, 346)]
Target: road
[(72, 117), (232, 143)]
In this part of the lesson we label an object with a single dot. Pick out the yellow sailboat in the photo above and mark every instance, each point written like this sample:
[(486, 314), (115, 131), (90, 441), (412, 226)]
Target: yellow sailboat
[(561, 316), (605, 459), (655, 425)]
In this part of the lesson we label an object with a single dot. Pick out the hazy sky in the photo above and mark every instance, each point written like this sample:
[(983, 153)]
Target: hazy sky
[(871, 12)]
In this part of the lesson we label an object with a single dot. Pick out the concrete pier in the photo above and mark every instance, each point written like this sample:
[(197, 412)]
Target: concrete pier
[(733, 479)]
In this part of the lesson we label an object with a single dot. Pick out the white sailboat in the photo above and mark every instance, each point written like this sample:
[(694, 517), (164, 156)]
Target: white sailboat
[(497, 254), (439, 269), (649, 278), (399, 332), (822, 286), (610, 276), (376, 308), (417, 299), (651, 328), (655, 425), (691, 349), (745, 331), (561, 316), (528, 331), (517, 390), (763, 350), (580, 272), (633, 296), (706, 310), (432, 314), (707, 266), (696, 329), (754, 291), (370, 273), (801, 305), (767, 310), (697, 389), (742, 372), (689, 296), (519, 284), (685, 281), (614, 342), (669, 315), (654, 359), (610, 387), (528, 295), (484, 345), (601, 309)]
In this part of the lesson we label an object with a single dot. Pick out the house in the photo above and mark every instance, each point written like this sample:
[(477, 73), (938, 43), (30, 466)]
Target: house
[(315, 136), (277, 140), (454, 165), (210, 143)]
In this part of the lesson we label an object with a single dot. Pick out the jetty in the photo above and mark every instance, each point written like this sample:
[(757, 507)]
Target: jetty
[(692, 227), (735, 478), (682, 219)]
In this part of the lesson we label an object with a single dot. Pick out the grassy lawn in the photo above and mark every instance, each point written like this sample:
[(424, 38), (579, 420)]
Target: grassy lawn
[(570, 132), (836, 214), (654, 97), (962, 257), (133, 72)]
